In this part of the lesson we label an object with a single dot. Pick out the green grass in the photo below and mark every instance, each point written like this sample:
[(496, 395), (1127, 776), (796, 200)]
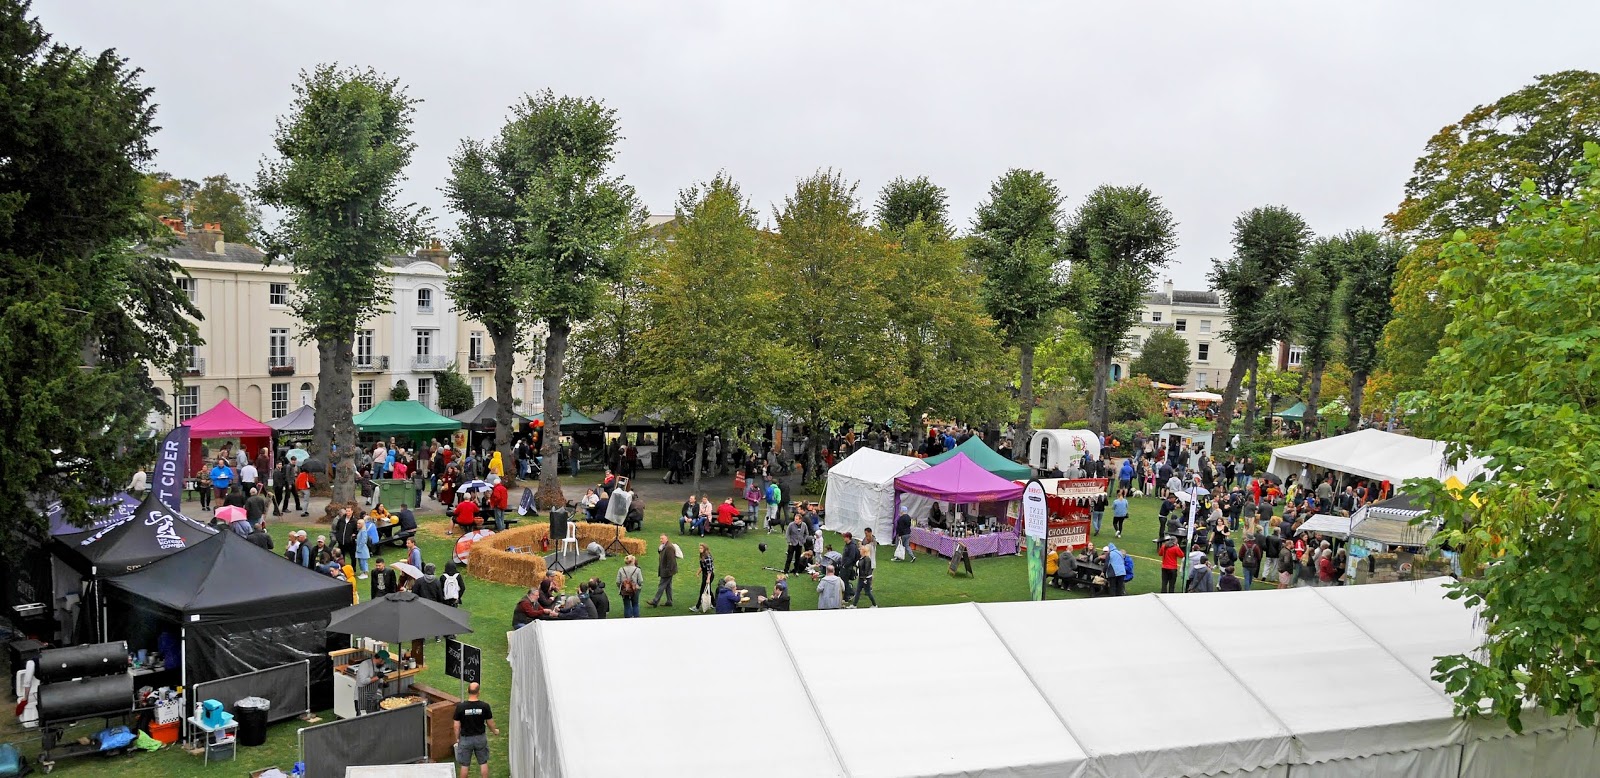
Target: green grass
[(926, 582)]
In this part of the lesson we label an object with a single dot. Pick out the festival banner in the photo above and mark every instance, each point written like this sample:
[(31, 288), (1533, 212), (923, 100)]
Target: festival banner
[(172, 461)]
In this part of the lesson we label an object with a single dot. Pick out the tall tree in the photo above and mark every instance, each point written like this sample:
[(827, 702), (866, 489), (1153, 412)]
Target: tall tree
[(508, 239), (1119, 239), (1314, 285), (1267, 244), (341, 155), (833, 317), (1370, 261), (84, 312), (1163, 357), (215, 200), (1517, 387), (1017, 248), (709, 354), (604, 359), (575, 221), (1463, 180), (935, 315)]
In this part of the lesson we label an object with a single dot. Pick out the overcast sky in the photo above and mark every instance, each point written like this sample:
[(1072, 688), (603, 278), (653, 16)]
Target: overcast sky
[(1217, 107)]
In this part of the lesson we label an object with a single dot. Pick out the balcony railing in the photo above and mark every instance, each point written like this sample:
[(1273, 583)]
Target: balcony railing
[(429, 362), (481, 362), (280, 365), (196, 366), (372, 364)]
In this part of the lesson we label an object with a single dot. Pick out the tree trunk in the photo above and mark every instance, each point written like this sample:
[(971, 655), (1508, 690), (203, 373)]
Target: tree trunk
[(1230, 401), (1250, 407), (335, 432), (555, 355), (813, 452), (1358, 387), (505, 357), (1024, 398), (1103, 377), (699, 458), (1313, 396)]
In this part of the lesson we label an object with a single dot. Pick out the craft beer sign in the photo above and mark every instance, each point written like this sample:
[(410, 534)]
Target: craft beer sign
[(1035, 512)]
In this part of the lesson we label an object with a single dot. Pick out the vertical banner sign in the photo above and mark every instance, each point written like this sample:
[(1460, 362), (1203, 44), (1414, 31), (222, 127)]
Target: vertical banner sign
[(1035, 523), (172, 461)]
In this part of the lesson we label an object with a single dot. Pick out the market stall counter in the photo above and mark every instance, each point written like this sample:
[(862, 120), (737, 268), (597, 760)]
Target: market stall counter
[(391, 678), (983, 544)]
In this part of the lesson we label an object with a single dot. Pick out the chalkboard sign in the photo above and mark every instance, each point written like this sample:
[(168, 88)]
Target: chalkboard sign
[(463, 661), (960, 558)]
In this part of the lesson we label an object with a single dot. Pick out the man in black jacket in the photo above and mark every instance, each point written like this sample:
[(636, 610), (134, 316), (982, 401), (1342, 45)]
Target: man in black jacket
[(382, 579), (902, 535), (847, 571), (795, 536)]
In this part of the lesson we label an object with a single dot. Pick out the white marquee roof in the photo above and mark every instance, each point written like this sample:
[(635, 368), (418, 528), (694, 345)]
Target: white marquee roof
[(1373, 453)]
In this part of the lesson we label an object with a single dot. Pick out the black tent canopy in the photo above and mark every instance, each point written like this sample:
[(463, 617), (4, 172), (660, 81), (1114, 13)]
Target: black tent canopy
[(237, 606), (301, 419), (153, 532), (482, 416)]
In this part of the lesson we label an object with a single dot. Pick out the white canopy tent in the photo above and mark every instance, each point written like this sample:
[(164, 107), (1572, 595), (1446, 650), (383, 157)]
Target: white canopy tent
[(1327, 524), (1205, 690), (1199, 397), (1065, 446), (1373, 453), (861, 492)]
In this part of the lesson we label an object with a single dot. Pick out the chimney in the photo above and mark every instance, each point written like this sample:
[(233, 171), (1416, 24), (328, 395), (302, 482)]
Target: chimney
[(173, 223), (435, 253), (1166, 286), (210, 237)]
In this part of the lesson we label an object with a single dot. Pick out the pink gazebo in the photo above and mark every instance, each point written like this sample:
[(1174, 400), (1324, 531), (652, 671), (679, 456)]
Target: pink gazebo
[(959, 480), (225, 420)]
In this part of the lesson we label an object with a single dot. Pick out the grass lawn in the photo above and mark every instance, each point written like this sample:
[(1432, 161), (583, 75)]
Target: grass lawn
[(926, 582)]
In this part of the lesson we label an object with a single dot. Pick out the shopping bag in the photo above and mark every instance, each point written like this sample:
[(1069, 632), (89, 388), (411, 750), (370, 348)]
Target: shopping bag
[(899, 553), (738, 480)]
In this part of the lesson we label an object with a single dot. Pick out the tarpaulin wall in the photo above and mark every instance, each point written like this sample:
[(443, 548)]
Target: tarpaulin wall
[(287, 687), (396, 736), (222, 650)]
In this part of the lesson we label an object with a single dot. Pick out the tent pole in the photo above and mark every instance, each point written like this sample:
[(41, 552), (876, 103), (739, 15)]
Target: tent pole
[(183, 677)]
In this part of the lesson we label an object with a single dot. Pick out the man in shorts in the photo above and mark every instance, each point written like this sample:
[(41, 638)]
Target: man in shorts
[(472, 717)]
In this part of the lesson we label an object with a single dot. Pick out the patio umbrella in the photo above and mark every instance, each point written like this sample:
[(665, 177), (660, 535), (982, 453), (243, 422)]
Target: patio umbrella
[(296, 455), (1199, 491), (474, 486), (400, 617), (231, 514), (464, 545), (407, 568), (1273, 477)]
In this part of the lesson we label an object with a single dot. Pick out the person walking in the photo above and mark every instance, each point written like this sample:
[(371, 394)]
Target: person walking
[(902, 537), (1171, 557), (472, 717), (1119, 512), (708, 575), (630, 579), (1250, 560), (864, 569), (1097, 514), (383, 580), (667, 554), (847, 565), (363, 548), (795, 535), (830, 590)]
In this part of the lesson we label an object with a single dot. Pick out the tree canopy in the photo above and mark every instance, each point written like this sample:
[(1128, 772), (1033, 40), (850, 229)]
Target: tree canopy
[(906, 200), (1314, 284), (1516, 385), (1365, 306), (1164, 357), (85, 310), (214, 200)]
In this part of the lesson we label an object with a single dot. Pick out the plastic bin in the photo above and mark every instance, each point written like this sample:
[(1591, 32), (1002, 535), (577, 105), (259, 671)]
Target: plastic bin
[(165, 733), (251, 713)]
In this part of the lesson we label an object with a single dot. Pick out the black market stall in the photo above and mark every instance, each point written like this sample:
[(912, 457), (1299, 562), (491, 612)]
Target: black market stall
[(363, 672), (481, 420), (152, 533), (234, 608)]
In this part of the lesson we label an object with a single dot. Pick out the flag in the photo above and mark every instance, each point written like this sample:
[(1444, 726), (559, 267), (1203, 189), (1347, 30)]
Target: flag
[(172, 461)]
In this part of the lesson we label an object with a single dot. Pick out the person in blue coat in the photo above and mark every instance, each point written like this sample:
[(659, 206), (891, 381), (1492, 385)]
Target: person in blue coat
[(1116, 567), (728, 596), (1125, 476)]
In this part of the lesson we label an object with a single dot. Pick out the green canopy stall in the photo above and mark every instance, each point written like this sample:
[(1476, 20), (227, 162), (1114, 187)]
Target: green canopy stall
[(986, 458), (1296, 412), (394, 417)]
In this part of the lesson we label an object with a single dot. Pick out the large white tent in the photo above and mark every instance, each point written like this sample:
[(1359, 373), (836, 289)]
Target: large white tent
[(1373, 453), (1191, 685), (861, 492)]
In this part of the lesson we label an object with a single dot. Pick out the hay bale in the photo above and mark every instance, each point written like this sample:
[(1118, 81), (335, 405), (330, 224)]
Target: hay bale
[(491, 559)]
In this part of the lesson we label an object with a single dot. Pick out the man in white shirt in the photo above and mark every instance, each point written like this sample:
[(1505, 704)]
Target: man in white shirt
[(139, 483), (248, 475)]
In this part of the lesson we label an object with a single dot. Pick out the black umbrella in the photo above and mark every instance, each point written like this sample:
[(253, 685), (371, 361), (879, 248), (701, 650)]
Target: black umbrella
[(399, 617), (314, 465), (1272, 477)]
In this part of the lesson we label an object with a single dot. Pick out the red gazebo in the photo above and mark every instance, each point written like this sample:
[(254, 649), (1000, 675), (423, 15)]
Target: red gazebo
[(225, 420)]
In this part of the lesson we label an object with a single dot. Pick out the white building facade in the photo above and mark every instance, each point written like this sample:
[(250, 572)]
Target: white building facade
[(1200, 318)]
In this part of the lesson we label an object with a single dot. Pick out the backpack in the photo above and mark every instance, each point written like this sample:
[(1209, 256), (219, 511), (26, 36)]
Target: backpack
[(1127, 565), (628, 586), (1251, 555), (452, 586)]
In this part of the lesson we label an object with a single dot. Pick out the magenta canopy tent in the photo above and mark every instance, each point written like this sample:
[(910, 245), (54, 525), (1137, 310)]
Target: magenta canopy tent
[(959, 480), (225, 420)]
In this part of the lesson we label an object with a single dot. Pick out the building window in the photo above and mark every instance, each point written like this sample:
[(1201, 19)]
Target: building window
[(188, 403), (277, 294), (475, 349), (425, 392), (1200, 380), (306, 393), (189, 286), (477, 389), (1155, 317), (280, 400), (1181, 325), (424, 343), (424, 300), (1296, 354), (278, 347), (1205, 325), (363, 348), (1203, 352), (363, 396)]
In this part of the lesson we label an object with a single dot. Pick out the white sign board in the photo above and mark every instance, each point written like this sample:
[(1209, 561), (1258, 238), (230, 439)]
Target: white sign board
[(1035, 514)]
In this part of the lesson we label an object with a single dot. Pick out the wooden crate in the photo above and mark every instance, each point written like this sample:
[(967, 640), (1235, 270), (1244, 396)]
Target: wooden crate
[(441, 722)]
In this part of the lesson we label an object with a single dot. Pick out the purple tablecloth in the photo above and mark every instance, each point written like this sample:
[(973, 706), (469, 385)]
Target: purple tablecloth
[(977, 545)]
